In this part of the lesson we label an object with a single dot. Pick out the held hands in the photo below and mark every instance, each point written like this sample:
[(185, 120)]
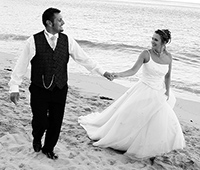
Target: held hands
[(110, 76), (14, 97)]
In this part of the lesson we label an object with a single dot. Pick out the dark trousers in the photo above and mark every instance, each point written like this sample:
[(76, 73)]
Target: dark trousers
[(48, 111)]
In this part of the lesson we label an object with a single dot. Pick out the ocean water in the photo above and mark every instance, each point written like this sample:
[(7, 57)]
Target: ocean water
[(114, 33)]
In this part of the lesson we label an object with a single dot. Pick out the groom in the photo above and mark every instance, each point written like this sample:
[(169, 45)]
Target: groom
[(48, 53)]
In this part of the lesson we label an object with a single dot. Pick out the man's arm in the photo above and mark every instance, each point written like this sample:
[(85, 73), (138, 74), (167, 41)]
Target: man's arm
[(20, 69), (79, 56)]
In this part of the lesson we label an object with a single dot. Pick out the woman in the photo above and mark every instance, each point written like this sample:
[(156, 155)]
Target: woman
[(142, 121)]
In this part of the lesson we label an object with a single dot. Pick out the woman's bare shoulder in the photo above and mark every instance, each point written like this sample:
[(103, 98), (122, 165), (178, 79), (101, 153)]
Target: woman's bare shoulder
[(169, 55), (145, 55)]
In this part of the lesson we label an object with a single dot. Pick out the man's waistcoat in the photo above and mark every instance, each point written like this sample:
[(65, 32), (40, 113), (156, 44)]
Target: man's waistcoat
[(48, 67)]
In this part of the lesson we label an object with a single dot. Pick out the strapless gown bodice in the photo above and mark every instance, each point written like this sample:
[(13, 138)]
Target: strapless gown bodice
[(153, 74)]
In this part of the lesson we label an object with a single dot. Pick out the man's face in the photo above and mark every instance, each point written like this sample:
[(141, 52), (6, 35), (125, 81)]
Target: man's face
[(57, 23)]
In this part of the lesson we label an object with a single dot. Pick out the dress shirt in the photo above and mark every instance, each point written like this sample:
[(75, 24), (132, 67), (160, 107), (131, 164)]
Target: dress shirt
[(75, 51)]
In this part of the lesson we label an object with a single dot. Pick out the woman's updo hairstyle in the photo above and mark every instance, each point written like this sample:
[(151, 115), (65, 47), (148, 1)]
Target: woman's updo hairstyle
[(165, 35)]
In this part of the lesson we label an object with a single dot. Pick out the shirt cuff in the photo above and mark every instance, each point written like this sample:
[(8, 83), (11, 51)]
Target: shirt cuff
[(101, 71), (98, 70), (14, 88)]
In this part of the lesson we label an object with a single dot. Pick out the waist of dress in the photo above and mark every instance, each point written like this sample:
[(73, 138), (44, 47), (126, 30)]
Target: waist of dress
[(153, 83)]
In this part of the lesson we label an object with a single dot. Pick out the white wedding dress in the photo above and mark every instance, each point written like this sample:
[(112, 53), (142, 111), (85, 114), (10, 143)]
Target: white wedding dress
[(141, 122)]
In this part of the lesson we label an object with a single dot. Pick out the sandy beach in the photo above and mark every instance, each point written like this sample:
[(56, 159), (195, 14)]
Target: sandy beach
[(87, 93)]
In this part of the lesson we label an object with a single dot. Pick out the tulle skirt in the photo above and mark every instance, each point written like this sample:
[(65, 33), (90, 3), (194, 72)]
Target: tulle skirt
[(141, 122)]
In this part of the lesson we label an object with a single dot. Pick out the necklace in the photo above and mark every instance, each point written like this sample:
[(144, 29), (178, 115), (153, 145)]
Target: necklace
[(157, 53)]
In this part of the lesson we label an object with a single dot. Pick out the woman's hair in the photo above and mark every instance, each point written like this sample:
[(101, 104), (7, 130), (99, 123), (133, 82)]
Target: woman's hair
[(165, 35), (49, 15)]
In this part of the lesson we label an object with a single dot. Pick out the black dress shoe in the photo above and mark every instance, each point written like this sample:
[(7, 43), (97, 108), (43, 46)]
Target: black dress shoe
[(152, 160), (37, 146), (50, 154)]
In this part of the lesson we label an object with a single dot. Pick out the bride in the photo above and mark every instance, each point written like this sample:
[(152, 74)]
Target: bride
[(142, 121)]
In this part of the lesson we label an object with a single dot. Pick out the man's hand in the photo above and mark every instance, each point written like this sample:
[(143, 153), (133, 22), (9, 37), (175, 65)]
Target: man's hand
[(14, 97), (108, 76)]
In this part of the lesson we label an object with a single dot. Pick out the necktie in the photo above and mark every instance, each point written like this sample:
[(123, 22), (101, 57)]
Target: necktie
[(53, 43)]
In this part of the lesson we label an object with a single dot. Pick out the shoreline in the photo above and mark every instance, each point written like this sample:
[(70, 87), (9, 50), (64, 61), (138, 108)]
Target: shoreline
[(188, 110)]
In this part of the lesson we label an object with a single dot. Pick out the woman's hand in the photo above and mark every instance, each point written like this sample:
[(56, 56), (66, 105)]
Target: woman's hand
[(115, 75), (167, 94)]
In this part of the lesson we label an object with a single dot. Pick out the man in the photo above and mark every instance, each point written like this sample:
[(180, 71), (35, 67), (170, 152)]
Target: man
[(48, 53)]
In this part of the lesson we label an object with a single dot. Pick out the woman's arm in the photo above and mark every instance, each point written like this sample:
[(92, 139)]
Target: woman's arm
[(130, 72), (168, 79)]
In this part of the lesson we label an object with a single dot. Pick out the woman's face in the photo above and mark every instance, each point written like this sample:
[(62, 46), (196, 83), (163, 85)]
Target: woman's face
[(156, 41)]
